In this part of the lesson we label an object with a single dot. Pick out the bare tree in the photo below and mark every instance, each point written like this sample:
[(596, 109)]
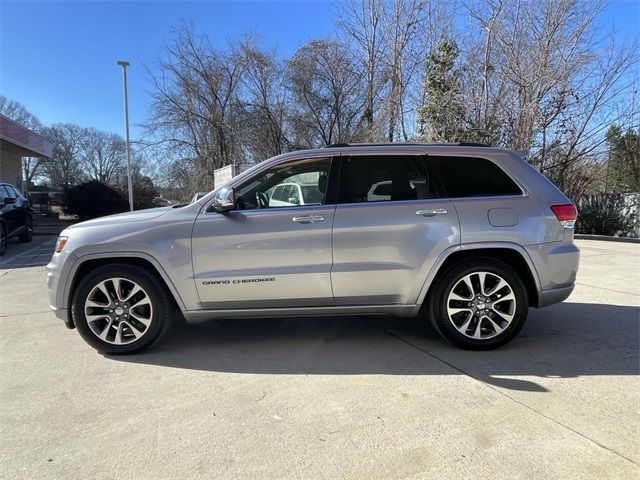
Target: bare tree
[(361, 22), (263, 106), (194, 93), (103, 155), (65, 167), (328, 94)]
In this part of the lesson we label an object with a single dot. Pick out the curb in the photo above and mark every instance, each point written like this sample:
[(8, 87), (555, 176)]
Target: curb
[(604, 238)]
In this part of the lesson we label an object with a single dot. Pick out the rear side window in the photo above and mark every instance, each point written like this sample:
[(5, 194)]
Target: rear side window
[(385, 178), (472, 177)]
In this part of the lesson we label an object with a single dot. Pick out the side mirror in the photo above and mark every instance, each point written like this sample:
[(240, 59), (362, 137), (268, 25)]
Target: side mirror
[(294, 200), (9, 200), (224, 200)]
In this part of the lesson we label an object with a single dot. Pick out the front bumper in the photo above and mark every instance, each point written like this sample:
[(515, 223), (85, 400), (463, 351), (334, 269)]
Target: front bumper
[(57, 276)]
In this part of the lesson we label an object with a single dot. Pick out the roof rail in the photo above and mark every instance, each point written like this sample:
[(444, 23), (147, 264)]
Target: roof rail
[(460, 144)]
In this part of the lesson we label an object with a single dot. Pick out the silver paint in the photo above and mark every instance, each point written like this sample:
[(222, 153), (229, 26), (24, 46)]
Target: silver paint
[(351, 258)]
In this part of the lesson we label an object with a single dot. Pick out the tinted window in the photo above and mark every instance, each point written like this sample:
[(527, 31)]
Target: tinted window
[(472, 177), (386, 178)]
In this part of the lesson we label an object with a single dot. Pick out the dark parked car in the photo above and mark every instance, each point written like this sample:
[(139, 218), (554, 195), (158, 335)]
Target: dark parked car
[(16, 216)]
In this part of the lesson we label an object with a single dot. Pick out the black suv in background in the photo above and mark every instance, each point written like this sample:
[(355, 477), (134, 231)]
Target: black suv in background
[(16, 216)]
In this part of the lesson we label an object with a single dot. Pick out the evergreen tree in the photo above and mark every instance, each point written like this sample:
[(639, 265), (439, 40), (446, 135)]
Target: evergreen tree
[(441, 114), (623, 169)]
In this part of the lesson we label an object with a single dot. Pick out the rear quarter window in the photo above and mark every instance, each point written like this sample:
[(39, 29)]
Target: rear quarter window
[(472, 177)]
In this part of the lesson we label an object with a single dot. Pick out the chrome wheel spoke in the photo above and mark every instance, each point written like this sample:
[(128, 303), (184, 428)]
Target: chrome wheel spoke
[(136, 333), (118, 339), (482, 277), (469, 284), (105, 332), (496, 327), (93, 303), (144, 321), (117, 286), (465, 325), (141, 302), (478, 330), (506, 316), (93, 318), (507, 297), (455, 296), (454, 310), (132, 293), (103, 288), (499, 286)]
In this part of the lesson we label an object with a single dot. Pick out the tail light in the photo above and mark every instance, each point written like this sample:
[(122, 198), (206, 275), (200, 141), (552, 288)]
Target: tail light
[(566, 214)]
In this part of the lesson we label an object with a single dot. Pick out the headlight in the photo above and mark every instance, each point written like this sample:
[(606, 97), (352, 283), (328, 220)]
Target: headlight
[(62, 241)]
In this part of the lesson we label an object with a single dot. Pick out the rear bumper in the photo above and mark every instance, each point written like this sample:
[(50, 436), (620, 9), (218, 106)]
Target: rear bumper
[(554, 295), (556, 265)]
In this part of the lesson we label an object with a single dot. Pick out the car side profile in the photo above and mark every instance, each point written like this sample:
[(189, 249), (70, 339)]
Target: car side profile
[(468, 236), (16, 216)]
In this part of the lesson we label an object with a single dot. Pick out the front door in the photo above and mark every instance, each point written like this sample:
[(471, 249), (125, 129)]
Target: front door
[(269, 253), (389, 229)]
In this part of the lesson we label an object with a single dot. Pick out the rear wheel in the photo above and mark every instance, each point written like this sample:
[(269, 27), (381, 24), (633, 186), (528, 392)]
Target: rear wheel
[(27, 235), (479, 304), (121, 308)]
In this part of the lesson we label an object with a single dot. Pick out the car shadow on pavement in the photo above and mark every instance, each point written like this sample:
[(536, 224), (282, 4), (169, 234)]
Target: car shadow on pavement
[(566, 340)]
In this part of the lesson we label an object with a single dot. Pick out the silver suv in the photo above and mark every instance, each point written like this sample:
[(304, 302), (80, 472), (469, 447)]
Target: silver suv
[(465, 235)]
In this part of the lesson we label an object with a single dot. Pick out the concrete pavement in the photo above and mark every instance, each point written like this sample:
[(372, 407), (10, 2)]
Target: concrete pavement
[(330, 397)]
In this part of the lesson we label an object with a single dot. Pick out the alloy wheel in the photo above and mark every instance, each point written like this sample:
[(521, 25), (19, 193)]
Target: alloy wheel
[(118, 311), (481, 305)]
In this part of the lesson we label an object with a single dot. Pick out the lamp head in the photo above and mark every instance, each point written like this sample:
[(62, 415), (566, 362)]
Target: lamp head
[(123, 63)]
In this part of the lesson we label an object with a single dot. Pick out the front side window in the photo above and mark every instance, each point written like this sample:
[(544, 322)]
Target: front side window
[(472, 177), (384, 178), (290, 184)]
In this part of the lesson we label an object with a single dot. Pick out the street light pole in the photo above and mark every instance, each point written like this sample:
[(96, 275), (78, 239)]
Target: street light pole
[(124, 66)]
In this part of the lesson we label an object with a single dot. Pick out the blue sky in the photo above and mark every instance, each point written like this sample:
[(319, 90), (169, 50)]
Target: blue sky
[(59, 58)]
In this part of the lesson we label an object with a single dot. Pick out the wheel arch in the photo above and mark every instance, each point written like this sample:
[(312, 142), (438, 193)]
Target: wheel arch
[(85, 264), (512, 254)]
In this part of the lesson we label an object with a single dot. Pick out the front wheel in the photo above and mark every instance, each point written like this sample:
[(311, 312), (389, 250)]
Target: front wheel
[(121, 308), (479, 304)]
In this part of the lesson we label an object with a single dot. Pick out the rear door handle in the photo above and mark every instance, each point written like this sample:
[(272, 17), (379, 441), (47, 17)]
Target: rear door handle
[(432, 212), (308, 219)]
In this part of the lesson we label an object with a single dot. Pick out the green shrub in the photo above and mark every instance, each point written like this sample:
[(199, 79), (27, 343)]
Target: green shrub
[(93, 199), (603, 215)]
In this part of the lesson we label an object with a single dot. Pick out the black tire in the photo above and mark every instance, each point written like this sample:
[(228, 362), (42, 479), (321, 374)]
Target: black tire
[(162, 304), (3, 239), (27, 235), (443, 287)]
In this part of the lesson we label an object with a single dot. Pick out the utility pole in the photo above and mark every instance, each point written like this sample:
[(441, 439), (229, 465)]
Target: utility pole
[(124, 66)]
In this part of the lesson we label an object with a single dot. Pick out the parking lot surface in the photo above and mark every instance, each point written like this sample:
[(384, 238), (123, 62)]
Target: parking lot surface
[(327, 397)]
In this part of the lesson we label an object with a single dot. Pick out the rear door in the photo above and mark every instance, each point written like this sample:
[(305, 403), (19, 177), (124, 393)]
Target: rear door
[(389, 229)]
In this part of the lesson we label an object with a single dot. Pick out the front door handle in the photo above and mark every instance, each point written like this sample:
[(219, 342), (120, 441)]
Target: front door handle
[(308, 219), (432, 212)]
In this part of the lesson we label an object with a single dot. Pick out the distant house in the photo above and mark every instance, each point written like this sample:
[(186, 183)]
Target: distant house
[(16, 142)]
